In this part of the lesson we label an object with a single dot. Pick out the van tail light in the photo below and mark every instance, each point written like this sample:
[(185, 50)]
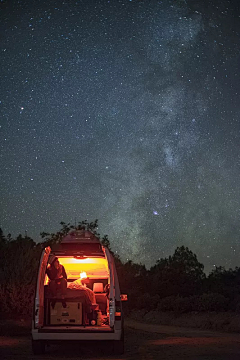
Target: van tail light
[(124, 297), (118, 312)]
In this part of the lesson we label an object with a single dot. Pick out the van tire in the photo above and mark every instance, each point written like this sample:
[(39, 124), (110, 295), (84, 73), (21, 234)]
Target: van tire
[(118, 347), (38, 347)]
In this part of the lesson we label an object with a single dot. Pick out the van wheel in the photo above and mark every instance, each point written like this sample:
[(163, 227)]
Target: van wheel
[(38, 347), (118, 347)]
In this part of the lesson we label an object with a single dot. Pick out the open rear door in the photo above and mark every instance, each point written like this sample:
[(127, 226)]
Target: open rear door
[(39, 299), (112, 289)]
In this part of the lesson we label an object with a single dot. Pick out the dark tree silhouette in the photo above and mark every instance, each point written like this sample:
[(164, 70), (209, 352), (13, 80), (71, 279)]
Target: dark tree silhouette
[(180, 274)]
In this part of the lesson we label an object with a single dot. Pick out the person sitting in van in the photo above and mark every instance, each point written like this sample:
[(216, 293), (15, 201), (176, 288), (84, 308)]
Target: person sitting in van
[(80, 284), (58, 278)]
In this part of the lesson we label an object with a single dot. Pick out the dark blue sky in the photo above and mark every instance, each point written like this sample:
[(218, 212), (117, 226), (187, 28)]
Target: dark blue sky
[(128, 112)]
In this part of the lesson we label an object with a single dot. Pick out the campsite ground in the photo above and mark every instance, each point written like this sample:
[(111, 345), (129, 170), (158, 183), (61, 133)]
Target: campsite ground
[(142, 341)]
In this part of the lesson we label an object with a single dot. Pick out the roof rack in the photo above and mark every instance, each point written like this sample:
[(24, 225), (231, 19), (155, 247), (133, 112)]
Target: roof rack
[(79, 242), (80, 236)]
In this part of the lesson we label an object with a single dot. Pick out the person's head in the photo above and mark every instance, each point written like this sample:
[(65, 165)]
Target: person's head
[(54, 262)]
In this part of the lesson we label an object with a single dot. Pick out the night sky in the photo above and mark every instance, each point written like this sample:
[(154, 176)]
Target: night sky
[(127, 112)]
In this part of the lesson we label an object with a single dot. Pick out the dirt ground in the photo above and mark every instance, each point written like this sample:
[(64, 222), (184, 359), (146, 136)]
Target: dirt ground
[(142, 341)]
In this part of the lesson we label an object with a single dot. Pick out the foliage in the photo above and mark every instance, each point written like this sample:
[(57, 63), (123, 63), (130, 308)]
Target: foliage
[(211, 302), (177, 304), (146, 301), (225, 282), (202, 303), (18, 269), (180, 274)]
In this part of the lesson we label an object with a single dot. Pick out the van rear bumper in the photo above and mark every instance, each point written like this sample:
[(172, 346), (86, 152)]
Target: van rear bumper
[(75, 334)]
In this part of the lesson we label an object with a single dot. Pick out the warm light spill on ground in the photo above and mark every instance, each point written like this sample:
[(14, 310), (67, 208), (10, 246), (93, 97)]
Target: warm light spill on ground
[(8, 341)]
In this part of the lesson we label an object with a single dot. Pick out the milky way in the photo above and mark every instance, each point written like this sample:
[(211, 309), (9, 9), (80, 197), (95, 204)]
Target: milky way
[(126, 112)]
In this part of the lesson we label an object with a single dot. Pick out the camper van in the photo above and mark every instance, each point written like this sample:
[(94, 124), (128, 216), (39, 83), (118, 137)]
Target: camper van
[(90, 308)]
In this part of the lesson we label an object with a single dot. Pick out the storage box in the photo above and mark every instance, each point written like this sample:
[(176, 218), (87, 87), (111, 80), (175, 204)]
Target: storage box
[(70, 315)]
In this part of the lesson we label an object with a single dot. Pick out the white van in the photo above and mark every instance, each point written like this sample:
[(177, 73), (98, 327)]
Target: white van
[(79, 252)]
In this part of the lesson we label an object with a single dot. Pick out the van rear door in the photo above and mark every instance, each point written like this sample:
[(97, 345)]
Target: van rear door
[(112, 289), (39, 298)]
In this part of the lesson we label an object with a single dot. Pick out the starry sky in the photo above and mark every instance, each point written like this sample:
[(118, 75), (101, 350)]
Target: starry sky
[(127, 112)]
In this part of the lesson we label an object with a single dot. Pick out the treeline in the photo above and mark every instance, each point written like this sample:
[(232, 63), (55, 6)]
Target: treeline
[(177, 283)]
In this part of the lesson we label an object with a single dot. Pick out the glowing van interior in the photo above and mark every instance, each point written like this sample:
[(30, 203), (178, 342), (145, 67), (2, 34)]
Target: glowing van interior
[(95, 268)]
